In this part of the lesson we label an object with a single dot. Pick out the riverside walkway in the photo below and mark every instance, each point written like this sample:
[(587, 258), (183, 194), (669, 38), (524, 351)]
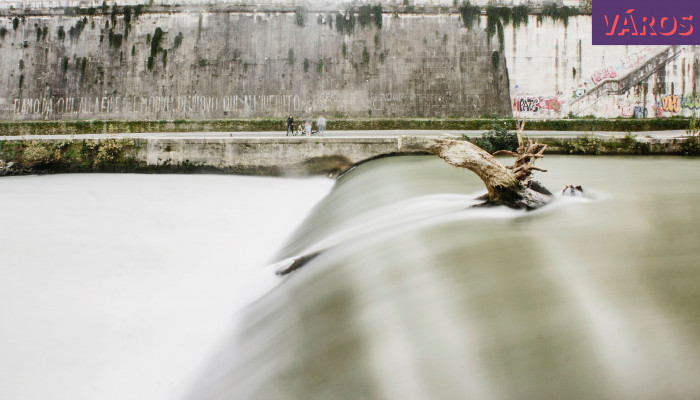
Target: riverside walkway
[(346, 134)]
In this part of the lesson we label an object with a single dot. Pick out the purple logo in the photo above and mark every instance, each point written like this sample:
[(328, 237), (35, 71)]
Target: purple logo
[(645, 22)]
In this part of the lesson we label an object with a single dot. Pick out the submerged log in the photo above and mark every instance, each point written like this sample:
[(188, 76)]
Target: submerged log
[(509, 186)]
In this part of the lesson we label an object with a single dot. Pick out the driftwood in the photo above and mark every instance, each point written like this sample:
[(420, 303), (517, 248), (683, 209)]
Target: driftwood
[(509, 186)]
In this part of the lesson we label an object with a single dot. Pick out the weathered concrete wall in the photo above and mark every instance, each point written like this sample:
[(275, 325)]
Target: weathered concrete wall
[(233, 63), (264, 156), (554, 70), (331, 4)]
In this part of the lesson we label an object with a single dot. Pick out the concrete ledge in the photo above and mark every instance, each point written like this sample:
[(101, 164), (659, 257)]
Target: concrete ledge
[(328, 156)]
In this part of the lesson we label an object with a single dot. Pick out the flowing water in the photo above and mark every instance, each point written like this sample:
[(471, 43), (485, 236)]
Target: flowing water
[(124, 286)]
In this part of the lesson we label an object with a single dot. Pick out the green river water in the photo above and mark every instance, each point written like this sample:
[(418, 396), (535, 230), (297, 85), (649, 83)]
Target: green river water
[(417, 296)]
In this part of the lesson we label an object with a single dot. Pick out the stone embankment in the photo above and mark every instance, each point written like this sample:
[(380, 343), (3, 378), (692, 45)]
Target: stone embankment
[(329, 156)]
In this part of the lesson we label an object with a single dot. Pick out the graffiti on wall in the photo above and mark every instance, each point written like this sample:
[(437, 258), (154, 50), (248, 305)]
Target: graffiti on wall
[(670, 103), (601, 75), (624, 65), (691, 101), (640, 112), (537, 104)]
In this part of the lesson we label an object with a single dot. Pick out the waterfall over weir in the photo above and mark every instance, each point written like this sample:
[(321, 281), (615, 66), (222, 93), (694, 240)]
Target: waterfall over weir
[(164, 286)]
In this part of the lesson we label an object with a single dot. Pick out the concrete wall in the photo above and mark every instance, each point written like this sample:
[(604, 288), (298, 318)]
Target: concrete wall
[(260, 156), (333, 4), (234, 62), (554, 70)]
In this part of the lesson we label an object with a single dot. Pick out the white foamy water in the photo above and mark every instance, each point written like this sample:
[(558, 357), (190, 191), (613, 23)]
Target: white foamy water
[(121, 286)]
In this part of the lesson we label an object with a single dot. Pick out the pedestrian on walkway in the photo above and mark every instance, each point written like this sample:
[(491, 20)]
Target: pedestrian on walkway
[(321, 124), (308, 126), (290, 125)]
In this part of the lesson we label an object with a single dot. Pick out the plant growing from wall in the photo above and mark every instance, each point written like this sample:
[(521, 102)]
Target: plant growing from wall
[(21, 65), (494, 23), (364, 15), (344, 50), (178, 40), (365, 57), (113, 15), (378, 14), (691, 146), (21, 81), (35, 154), (470, 14), (3, 32), (290, 57), (520, 15), (138, 10), (75, 31), (300, 16), (495, 60), (155, 46), (555, 13), (61, 33), (345, 23), (115, 40), (306, 65), (15, 23)]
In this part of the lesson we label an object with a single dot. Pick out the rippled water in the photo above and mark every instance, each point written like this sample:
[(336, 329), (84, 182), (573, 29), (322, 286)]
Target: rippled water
[(417, 297), (163, 287)]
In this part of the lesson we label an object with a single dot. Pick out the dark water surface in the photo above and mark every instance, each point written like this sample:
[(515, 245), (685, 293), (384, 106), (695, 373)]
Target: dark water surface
[(417, 297)]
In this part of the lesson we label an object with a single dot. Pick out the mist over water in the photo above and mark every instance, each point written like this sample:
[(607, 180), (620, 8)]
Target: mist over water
[(163, 287), (121, 286)]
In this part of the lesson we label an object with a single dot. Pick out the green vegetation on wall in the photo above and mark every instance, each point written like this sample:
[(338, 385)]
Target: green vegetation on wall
[(71, 156), (470, 14), (300, 16), (555, 13), (366, 16)]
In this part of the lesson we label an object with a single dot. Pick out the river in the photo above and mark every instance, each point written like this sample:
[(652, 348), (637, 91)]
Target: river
[(163, 286)]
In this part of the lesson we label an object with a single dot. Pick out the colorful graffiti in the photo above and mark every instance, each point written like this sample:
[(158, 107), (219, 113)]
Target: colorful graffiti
[(537, 104), (691, 101), (671, 103), (605, 73), (526, 104), (624, 65)]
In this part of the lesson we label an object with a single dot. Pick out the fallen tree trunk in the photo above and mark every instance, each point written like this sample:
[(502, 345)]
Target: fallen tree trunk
[(502, 185), (508, 186)]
